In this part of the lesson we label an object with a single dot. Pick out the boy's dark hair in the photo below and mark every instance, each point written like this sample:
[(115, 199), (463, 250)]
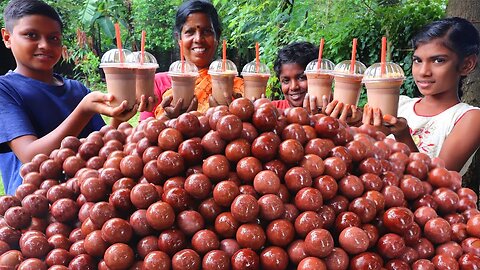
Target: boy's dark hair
[(17, 9), (197, 6), (298, 52), (458, 34)]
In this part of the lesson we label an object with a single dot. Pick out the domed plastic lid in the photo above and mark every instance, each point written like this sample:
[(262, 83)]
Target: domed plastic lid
[(189, 68), (392, 71), (251, 68), (343, 69), (148, 58), (112, 57), (216, 67), (326, 66)]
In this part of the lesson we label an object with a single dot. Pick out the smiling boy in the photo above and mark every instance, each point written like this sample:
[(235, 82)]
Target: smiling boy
[(289, 67), (40, 108)]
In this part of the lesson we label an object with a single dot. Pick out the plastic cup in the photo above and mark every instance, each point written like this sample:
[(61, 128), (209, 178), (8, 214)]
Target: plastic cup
[(121, 83), (222, 80), (348, 85), (145, 73), (222, 87), (145, 81), (383, 90), (120, 77), (320, 79), (255, 82), (183, 83)]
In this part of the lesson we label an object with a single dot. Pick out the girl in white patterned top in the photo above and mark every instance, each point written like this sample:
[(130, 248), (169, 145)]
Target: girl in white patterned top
[(438, 124)]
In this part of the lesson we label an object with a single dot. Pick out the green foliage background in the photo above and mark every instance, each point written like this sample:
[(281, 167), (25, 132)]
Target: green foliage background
[(273, 23), (276, 23)]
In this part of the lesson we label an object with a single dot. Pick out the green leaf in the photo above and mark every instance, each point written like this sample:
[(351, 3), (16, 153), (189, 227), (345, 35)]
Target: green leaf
[(107, 26), (88, 13)]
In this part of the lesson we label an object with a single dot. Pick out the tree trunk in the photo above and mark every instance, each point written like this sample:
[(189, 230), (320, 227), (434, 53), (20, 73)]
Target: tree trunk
[(470, 10)]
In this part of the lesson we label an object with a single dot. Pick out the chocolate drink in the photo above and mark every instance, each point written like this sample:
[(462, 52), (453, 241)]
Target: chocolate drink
[(319, 85), (383, 81), (145, 80), (222, 87), (121, 83), (347, 89), (255, 85), (384, 94), (183, 86)]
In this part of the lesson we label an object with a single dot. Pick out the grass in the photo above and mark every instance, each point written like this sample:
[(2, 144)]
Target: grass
[(2, 189), (133, 121)]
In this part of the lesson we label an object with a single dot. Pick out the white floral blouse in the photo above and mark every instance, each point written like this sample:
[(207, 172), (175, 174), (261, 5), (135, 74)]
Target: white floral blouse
[(429, 132)]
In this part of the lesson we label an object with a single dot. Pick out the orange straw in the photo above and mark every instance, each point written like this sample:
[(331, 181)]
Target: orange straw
[(354, 52), (320, 52), (119, 41), (142, 47), (224, 55), (383, 57), (257, 57), (182, 60)]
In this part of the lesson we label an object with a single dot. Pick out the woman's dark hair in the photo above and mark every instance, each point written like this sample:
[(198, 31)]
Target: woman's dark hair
[(194, 6), (17, 9), (298, 52), (457, 34)]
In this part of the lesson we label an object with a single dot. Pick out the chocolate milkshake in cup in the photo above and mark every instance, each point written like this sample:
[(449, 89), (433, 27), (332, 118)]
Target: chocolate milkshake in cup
[(145, 73), (320, 79), (120, 77), (223, 74), (383, 87), (183, 81), (255, 79), (348, 82)]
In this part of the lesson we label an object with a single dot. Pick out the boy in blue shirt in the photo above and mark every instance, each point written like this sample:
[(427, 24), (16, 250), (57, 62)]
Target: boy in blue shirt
[(39, 108)]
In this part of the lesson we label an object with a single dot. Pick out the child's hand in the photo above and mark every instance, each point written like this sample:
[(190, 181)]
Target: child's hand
[(345, 112), (310, 104), (97, 102), (175, 110), (125, 115), (398, 125), (388, 124)]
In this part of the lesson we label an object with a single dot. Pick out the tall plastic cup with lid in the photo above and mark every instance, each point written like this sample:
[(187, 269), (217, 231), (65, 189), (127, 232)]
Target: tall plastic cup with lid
[(383, 87), (223, 74), (255, 79), (120, 77), (183, 81), (320, 79), (145, 73), (348, 81)]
